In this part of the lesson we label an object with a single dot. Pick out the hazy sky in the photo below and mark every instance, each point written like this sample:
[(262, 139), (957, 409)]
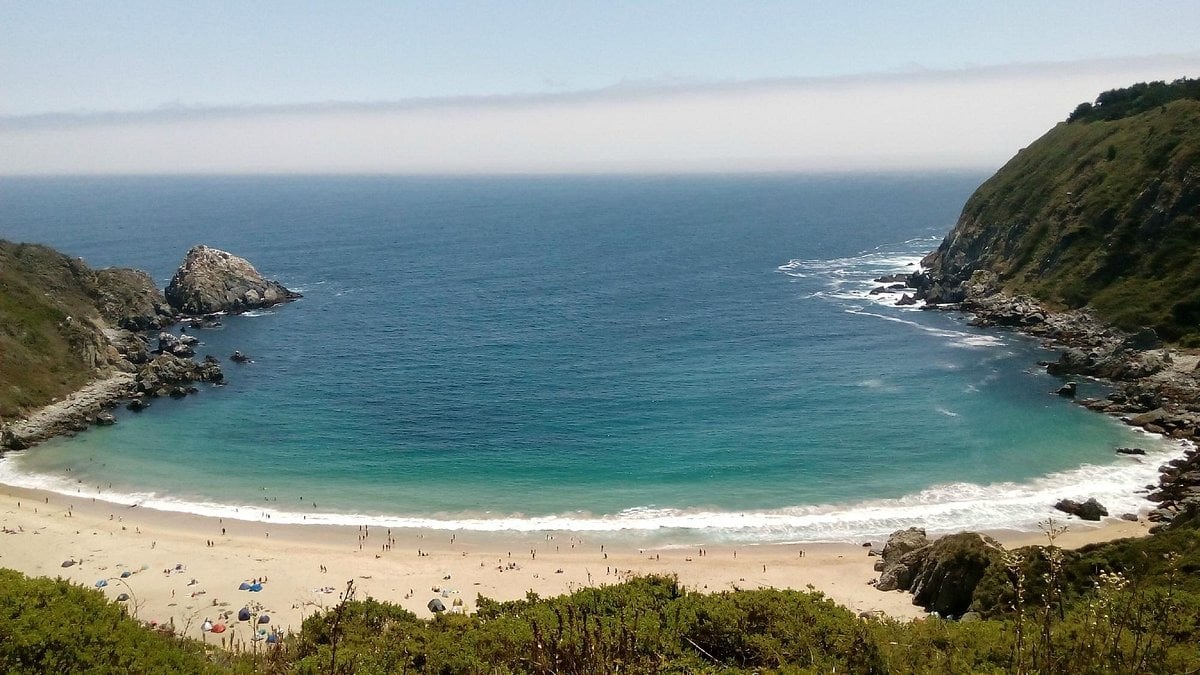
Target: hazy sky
[(185, 87)]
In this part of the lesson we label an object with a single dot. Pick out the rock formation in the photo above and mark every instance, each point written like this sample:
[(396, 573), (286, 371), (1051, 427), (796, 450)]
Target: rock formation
[(211, 280), (1089, 510), (942, 576)]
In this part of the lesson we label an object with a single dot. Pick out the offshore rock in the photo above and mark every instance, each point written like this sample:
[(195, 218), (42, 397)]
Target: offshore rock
[(211, 280), (170, 375), (1089, 510)]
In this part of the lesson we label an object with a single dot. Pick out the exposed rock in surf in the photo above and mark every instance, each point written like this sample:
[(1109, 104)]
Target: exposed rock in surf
[(211, 280), (170, 375), (1089, 510), (1067, 390)]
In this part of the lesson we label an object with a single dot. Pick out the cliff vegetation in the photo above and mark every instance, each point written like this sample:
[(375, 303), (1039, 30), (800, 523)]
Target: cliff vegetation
[(54, 310), (1101, 211)]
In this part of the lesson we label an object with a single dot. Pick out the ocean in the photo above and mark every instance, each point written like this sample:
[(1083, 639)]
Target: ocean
[(692, 358)]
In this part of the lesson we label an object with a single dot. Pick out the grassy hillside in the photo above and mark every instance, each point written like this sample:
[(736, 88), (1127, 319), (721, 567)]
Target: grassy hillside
[(48, 336), (1100, 212), (52, 311)]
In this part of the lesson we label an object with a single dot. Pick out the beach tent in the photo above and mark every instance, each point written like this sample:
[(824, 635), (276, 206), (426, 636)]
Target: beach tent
[(68, 563), (101, 583), (244, 586), (263, 618), (122, 597), (436, 605), (254, 588), (272, 638), (244, 614), (218, 628), (126, 574), (206, 626)]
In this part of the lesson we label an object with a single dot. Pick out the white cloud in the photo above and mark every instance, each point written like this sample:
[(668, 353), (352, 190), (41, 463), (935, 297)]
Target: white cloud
[(970, 118)]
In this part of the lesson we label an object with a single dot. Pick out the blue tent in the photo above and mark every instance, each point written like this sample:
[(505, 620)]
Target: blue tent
[(244, 586), (126, 574), (244, 614), (272, 638), (263, 618), (254, 588), (101, 583)]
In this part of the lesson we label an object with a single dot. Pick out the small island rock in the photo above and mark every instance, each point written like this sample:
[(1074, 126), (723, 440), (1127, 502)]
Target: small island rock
[(211, 280)]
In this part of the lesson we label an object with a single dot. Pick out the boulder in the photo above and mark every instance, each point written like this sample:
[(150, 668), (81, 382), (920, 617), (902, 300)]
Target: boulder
[(894, 573), (945, 574), (1089, 510), (211, 280), (1130, 451), (1067, 390)]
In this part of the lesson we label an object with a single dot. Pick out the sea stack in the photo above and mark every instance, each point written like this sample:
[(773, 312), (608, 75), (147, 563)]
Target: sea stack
[(211, 280)]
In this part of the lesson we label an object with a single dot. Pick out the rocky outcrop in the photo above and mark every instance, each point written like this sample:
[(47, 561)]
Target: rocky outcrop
[(941, 576), (1092, 214), (211, 280), (1089, 510), (894, 573), (170, 375), (129, 299)]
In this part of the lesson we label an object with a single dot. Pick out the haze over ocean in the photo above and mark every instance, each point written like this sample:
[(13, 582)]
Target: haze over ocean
[(695, 357)]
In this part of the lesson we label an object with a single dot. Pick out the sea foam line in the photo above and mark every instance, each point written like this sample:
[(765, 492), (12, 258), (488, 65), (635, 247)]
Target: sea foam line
[(940, 508)]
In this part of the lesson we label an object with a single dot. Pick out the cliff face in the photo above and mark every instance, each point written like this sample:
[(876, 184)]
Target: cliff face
[(54, 311), (1100, 213)]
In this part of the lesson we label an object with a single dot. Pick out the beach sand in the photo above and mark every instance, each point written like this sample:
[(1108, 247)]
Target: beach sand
[(186, 568)]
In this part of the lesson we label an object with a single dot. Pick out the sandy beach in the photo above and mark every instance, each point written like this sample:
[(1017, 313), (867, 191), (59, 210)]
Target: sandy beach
[(183, 569)]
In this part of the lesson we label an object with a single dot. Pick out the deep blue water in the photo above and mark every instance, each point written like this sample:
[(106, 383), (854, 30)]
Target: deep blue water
[(688, 354)]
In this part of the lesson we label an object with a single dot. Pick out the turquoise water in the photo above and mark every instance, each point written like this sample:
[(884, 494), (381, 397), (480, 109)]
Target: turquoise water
[(692, 355)]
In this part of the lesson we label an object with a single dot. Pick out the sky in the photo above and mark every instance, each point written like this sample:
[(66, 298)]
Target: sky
[(560, 87)]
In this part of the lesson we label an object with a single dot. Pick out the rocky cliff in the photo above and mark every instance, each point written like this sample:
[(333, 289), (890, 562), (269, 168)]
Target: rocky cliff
[(1101, 213), (211, 280), (61, 323)]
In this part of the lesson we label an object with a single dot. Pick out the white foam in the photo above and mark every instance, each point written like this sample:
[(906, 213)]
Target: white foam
[(956, 338), (939, 508)]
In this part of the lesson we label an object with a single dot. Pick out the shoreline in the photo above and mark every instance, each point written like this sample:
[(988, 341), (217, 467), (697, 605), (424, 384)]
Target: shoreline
[(43, 529)]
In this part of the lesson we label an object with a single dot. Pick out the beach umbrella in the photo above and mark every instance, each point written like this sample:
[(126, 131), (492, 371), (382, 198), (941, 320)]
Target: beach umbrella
[(126, 574), (68, 563), (436, 605), (218, 628), (244, 614), (254, 588), (244, 586), (122, 597), (101, 583), (263, 618)]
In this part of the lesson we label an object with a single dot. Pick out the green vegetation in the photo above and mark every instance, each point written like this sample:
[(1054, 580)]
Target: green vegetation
[(53, 309), (1115, 104), (48, 343), (1130, 606), (1104, 213)]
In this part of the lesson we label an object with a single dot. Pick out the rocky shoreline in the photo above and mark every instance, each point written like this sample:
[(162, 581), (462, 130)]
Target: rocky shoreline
[(126, 369), (1155, 387)]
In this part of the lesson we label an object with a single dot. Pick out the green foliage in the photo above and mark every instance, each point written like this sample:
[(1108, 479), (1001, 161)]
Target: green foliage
[(1105, 214), (51, 626), (42, 351), (1130, 606), (1115, 104)]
